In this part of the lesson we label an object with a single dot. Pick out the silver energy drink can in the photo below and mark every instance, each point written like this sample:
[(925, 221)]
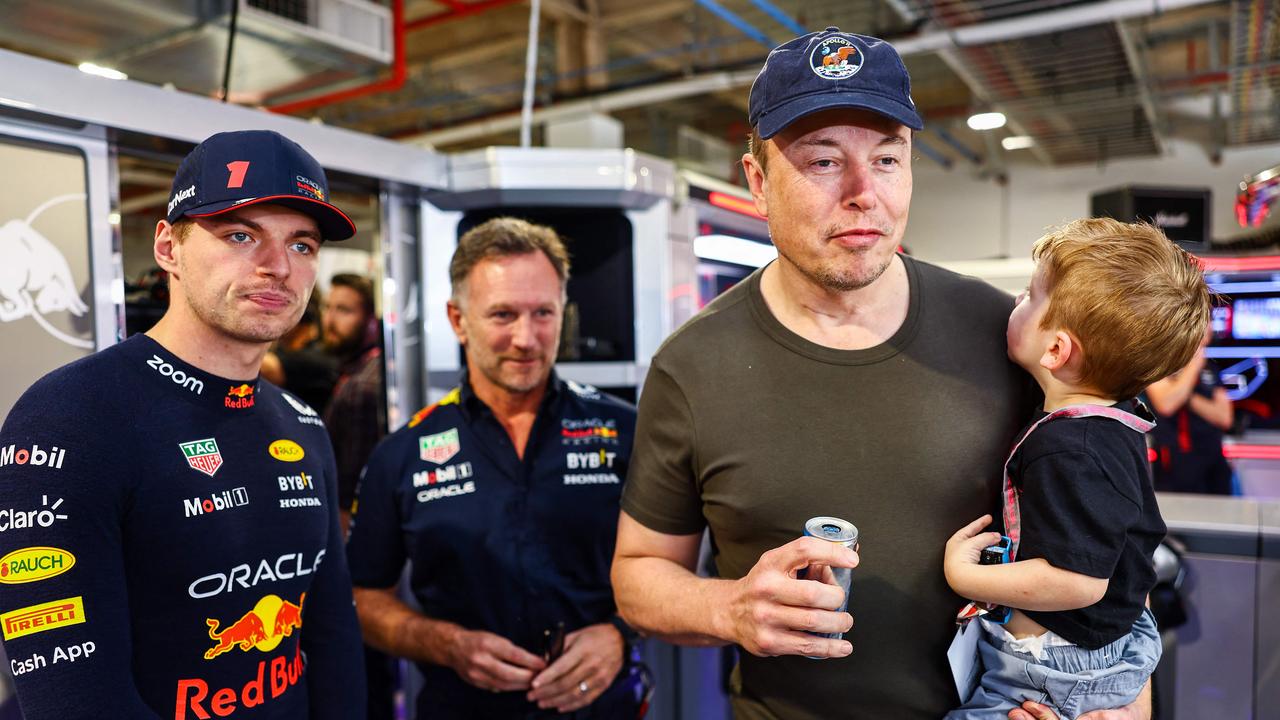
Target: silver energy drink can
[(837, 531)]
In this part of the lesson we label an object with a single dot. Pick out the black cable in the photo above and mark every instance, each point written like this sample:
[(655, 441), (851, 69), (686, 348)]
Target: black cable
[(231, 46)]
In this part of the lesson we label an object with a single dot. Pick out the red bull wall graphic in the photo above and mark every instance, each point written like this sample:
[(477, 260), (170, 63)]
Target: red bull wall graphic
[(46, 314)]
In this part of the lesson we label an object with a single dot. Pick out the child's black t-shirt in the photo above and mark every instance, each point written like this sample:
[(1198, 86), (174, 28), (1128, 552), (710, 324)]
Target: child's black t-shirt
[(1088, 506)]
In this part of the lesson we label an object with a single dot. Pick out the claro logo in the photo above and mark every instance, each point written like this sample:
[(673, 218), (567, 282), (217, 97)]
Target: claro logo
[(177, 376)]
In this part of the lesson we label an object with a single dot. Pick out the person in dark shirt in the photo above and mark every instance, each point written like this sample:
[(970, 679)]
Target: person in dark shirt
[(1111, 308), (1193, 412), (357, 414), (300, 363), (504, 497), (169, 536)]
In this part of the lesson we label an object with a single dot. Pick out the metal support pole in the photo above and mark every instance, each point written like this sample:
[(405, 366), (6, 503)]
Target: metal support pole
[(530, 70)]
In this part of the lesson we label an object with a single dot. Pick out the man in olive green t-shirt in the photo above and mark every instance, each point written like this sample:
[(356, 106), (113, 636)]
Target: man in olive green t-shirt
[(843, 379)]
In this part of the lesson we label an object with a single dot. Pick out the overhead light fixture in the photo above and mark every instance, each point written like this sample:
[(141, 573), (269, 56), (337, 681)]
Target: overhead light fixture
[(986, 121), (736, 250), (1017, 142), (106, 72)]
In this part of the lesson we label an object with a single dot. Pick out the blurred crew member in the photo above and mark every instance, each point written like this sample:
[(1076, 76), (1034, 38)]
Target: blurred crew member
[(1194, 411), (356, 415), (169, 529), (300, 364), (504, 497)]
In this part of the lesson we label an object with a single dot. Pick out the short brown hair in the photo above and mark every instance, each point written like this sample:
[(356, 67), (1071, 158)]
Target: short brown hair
[(755, 146), (1136, 302), (359, 284), (181, 230), (503, 237)]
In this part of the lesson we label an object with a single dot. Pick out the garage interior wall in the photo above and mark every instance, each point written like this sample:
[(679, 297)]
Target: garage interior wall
[(1000, 221)]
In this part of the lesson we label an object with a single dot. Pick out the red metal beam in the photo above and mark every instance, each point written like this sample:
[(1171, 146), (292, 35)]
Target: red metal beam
[(457, 10)]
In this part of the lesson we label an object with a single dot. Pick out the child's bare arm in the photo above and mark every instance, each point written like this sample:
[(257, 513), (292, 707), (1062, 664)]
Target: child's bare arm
[(1025, 585)]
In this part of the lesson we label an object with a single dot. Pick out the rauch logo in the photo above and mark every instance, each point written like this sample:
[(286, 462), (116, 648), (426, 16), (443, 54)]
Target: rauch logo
[(33, 564)]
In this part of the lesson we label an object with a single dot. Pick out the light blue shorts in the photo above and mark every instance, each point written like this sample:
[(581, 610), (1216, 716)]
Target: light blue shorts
[(1070, 679)]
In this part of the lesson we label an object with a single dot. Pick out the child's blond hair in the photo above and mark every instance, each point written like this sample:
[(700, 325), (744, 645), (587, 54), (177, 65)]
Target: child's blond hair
[(1136, 302)]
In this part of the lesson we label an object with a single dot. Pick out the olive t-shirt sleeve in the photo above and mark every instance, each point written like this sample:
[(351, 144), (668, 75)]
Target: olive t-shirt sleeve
[(661, 490), (1073, 513)]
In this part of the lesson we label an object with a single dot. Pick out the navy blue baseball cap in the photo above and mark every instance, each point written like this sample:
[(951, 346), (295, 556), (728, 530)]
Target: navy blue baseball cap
[(248, 167), (830, 69)]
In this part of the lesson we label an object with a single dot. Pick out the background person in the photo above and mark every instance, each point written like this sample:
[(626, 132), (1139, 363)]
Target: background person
[(504, 497), (299, 362), (356, 415), (1193, 411)]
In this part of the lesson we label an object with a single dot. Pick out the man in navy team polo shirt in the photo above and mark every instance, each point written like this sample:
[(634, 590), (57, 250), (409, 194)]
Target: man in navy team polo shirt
[(169, 538), (504, 495)]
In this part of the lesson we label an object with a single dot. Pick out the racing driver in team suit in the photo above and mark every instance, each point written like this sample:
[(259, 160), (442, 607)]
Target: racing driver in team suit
[(169, 543)]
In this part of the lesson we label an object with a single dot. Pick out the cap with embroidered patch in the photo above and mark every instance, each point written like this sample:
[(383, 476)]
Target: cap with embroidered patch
[(830, 69), (247, 167)]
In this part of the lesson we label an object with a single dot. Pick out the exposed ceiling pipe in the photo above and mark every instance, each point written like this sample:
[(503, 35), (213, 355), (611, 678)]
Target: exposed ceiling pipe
[(780, 16), (1142, 78), (609, 102), (395, 82), (1000, 30), (733, 19), (1040, 24)]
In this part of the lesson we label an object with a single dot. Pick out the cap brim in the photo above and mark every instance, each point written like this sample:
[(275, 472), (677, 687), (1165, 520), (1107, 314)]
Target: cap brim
[(778, 118), (332, 222)]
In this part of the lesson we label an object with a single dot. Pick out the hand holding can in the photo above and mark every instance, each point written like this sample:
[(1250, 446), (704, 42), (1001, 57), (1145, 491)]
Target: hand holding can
[(775, 610), (840, 532)]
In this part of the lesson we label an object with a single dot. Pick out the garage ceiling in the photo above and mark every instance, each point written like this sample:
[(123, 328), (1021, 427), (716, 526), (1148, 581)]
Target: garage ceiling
[(1088, 81)]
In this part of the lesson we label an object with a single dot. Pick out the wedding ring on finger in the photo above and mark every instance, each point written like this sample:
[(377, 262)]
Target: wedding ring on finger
[(583, 687)]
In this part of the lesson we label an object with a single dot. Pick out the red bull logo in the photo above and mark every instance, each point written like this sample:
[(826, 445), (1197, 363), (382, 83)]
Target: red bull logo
[(270, 621), (194, 694), (37, 281), (239, 397), (588, 433)]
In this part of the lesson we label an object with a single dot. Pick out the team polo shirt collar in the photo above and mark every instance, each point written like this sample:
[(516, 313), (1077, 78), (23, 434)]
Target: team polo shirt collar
[(186, 381), (473, 407)]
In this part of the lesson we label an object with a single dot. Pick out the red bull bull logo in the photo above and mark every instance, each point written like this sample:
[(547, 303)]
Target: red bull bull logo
[(36, 281), (269, 622), (239, 397)]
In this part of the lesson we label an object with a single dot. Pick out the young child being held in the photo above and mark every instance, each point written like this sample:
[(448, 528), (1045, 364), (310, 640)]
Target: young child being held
[(1112, 307)]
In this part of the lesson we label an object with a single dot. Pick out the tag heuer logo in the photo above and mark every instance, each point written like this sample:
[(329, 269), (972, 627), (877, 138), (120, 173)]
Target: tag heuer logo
[(202, 455), (440, 447)]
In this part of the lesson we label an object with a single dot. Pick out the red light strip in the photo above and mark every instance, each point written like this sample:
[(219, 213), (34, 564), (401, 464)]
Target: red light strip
[(738, 205), (1240, 264), (1251, 452)]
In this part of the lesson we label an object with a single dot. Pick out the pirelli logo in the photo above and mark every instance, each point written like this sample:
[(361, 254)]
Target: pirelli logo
[(46, 616)]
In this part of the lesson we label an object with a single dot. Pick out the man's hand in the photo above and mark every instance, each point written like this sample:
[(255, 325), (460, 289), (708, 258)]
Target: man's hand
[(772, 611), (491, 662), (591, 659)]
